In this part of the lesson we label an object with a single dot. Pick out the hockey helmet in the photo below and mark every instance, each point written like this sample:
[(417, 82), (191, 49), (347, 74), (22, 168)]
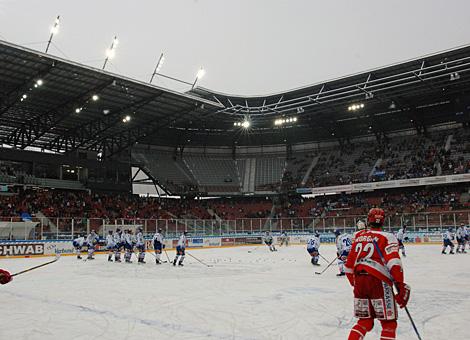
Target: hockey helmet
[(360, 225), (376, 217), (337, 232)]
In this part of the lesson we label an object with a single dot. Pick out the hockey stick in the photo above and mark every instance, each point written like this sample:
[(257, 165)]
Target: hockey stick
[(394, 283), (207, 265), (156, 257), (252, 250), (57, 257), (329, 265), (168, 258), (323, 257)]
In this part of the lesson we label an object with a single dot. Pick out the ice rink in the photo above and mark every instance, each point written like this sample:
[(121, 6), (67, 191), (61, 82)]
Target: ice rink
[(257, 295)]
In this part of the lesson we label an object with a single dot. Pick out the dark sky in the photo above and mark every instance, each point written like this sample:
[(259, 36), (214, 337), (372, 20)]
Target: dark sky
[(246, 46)]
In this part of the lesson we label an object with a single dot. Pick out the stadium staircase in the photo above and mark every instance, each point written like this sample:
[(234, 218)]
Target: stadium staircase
[(309, 170)]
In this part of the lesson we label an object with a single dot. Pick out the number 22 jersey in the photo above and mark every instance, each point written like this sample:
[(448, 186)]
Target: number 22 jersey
[(364, 256)]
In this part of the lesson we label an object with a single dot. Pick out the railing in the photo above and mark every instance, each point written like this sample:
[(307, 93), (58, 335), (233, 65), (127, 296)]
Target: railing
[(68, 228)]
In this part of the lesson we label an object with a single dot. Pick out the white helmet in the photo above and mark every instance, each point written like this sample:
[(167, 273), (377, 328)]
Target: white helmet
[(360, 225)]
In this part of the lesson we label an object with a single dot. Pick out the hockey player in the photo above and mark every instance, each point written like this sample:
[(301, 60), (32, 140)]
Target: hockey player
[(460, 235), (180, 249), (466, 233), (158, 246), (140, 245), (129, 242), (283, 239), (91, 241), (5, 277), (401, 238), (110, 245), (447, 240), (343, 247), (268, 240), (117, 245), (372, 278), (78, 244), (313, 246), (360, 225)]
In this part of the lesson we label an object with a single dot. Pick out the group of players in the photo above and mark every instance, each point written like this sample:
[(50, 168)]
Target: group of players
[(462, 236), (343, 246), (371, 261), (119, 241)]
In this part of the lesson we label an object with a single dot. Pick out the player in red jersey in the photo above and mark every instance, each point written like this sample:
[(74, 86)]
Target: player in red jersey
[(372, 279), (5, 277)]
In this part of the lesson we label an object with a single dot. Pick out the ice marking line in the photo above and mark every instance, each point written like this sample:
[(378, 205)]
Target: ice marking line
[(166, 326)]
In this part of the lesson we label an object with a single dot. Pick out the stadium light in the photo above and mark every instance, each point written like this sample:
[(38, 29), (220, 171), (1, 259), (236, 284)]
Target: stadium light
[(201, 73), (111, 51), (157, 69), (246, 124), (54, 31), (95, 97), (282, 121), (126, 119), (355, 107)]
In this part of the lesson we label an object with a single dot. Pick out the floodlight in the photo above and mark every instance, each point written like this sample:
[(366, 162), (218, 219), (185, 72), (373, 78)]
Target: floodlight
[(55, 27), (24, 96), (39, 82), (110, 53), (95, 97), (246, 124), (200, 73)]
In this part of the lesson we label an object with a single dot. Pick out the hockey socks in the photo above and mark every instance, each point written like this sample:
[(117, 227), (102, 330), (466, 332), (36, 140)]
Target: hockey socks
[(141, 257), (180, 262), (127, 256)]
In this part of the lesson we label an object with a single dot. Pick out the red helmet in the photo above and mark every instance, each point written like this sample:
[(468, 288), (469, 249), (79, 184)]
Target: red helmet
[(376, 216)]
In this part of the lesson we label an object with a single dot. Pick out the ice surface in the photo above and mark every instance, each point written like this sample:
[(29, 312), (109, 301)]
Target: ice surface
[(258, 295)]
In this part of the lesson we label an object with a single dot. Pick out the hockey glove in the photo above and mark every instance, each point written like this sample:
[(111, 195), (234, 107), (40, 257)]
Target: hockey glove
[(403, 294), (5, 277)]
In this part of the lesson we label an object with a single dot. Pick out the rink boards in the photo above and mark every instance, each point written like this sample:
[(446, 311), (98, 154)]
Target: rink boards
[(65, 247)]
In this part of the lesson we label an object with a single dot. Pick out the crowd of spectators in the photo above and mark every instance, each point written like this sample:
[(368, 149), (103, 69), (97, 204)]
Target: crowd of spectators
[(395, 201), (436, 153), (58, 203)]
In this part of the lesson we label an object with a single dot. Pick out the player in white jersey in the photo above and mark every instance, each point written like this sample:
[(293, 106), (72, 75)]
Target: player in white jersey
[(110, 245), (343, 247), (460, 235), (268, 240), (313, 247), (118, 245), (401, 237), (140, 245), (180, 249), (158, 245), (91, 241), (283, 239), (447, 238), (129, 242), (466, 233), (78, 244)]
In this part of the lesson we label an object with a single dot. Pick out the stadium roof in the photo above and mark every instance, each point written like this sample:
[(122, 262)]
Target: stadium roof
[(48, 102), (60, 114)]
